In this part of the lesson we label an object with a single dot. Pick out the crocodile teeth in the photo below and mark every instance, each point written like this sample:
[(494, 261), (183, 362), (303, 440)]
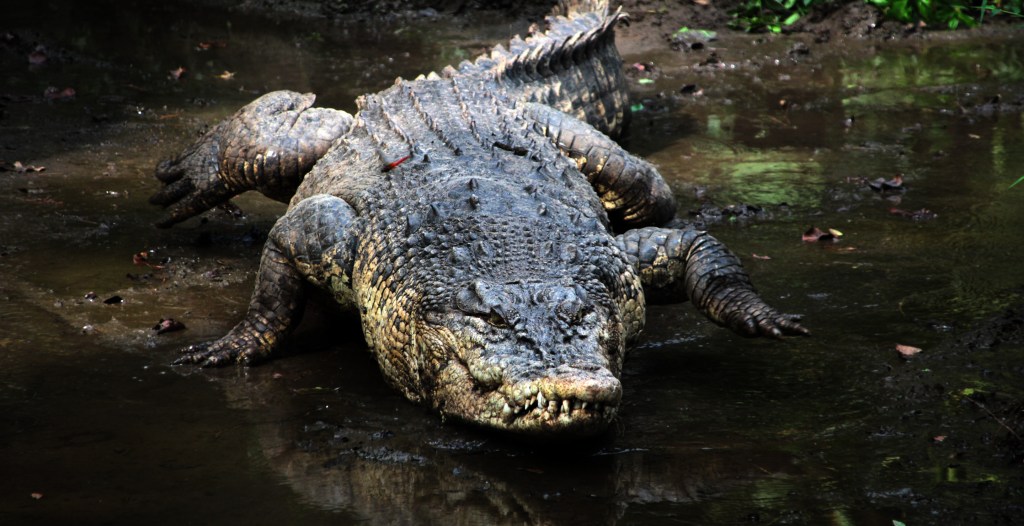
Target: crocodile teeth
[(540, 407)]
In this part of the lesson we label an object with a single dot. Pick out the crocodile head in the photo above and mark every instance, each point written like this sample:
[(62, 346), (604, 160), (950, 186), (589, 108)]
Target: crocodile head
[(535, 357)]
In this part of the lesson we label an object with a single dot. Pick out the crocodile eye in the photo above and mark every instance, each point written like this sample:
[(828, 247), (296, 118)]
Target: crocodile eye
[(581, 314), (573, 311), (496, 320)]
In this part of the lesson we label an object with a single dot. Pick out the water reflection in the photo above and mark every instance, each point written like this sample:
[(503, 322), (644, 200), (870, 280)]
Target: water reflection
[(399, 466)]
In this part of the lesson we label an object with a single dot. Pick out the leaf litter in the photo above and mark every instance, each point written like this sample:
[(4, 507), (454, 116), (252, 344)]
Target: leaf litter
[(815, 234)]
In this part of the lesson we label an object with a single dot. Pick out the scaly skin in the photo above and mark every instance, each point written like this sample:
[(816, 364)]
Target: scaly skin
[(470, 220), (267, 146)]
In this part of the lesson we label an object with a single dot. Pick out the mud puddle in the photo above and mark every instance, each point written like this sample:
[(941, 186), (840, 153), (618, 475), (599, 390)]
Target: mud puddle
[(762, 138)]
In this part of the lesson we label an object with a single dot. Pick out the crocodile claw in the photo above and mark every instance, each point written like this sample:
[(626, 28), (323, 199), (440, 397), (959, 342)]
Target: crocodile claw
[(218, 353), (754, 318), (204, 355), (193, 182), (779, 325)]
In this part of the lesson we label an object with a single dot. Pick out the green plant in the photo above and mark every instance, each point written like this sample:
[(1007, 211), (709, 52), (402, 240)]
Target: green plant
[(1000, 7), (771, 15), (774, 15), (950, 13)]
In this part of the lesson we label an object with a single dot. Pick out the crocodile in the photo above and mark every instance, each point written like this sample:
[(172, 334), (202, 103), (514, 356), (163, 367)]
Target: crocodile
[(499, 247)]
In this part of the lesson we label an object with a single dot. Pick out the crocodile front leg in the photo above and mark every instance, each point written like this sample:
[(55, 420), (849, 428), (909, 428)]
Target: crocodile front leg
[(312, 244), (680, 264), (633, 192), (268, 146)]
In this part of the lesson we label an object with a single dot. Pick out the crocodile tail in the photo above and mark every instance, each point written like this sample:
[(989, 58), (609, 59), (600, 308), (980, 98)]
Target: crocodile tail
[(572, 66)]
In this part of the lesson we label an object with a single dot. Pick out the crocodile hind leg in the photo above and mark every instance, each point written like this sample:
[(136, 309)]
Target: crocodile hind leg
[(311, 244), (268, 146), (680, 264), (633, 192)]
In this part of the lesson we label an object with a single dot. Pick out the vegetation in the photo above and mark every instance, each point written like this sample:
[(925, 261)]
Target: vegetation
[(774, 15)]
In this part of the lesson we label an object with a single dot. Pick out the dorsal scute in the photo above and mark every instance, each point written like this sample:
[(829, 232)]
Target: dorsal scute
[(575, 28), (449, 72), (569, 41)]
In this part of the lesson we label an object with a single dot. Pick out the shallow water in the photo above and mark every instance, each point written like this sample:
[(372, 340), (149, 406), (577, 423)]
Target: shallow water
[(95, 427)]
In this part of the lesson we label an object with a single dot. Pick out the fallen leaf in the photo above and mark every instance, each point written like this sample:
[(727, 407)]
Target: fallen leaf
[(762, 258), (142, 259), (227, 75), (210, 44), (168, 325), (52, 93), (881, 185), (176, 74), (815, 234), (22, 168), (37, 57), (907, 351)]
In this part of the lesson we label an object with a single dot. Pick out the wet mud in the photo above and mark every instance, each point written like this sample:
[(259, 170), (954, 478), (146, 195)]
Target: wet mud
[(898, 145)]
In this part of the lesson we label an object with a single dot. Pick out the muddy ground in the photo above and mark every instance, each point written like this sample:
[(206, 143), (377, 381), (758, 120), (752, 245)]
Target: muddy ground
[(762, 137)]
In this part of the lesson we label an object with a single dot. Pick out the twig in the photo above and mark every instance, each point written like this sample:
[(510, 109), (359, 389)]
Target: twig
[(994, 417)]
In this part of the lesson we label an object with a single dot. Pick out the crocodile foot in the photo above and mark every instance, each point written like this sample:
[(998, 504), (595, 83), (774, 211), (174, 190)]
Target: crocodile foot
[(753, 317), (193, 181), (222, 352)]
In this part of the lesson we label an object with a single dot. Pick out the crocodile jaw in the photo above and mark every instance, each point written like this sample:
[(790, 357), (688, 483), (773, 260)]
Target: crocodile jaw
[(560, 401)]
